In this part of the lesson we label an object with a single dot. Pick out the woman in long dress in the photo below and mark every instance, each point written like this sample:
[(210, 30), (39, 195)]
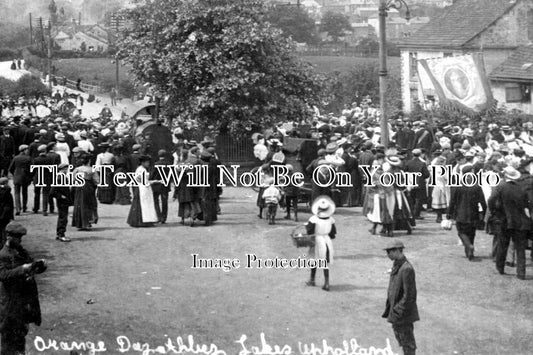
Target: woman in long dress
[(122, 165), (142, 210), (440, 196), (85, 205), (106, 194)]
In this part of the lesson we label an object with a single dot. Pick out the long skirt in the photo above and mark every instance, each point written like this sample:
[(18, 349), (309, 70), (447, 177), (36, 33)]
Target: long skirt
[(85, 206), (135, 216), (122, 194), (189, 209), (106, 194), (403, 218), (209, 210), (379, 209)]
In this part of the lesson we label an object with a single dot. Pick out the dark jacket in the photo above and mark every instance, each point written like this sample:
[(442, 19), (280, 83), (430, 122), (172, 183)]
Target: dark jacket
[(19, 298), (6, 205), (401, 307), (405, 138), (20, 168), (514, 201), (464, 204), (62, 194), (416, 165), (43, 160)]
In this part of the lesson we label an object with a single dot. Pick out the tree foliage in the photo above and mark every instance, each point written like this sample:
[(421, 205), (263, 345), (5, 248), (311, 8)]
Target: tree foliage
[(28, 85), (362, 80), (219, 62), (295, 23), (335, 24)]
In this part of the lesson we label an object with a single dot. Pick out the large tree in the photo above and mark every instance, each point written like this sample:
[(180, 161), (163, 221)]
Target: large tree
[(219, 62), (295, 22), (335, 24)]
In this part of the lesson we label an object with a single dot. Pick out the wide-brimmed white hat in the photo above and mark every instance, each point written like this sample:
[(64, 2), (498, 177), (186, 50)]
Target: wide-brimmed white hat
[(394, 160), (323, 207), (511, 173)]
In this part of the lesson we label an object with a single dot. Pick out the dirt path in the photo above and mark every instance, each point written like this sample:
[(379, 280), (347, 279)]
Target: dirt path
[(465, 307)]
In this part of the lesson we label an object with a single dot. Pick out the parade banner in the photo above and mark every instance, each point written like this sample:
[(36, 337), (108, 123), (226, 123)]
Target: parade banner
[(460, 82)]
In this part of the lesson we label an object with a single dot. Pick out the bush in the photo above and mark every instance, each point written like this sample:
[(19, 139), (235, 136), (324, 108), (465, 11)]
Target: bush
[(30, 85), (8, 54), (6, 86)]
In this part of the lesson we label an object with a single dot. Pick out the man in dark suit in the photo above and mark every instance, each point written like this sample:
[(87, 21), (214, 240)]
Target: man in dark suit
[(20, 169), (517, 209), (401, 309), (159, 190), (47, 176), (423, 137), (7, 151), (405, 137), (63, 196), (464, 208), (418, 195), (19, 298)]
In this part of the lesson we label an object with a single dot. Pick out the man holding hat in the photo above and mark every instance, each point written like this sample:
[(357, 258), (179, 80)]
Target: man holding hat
[(19, 298), (20, 169), (401, 309)]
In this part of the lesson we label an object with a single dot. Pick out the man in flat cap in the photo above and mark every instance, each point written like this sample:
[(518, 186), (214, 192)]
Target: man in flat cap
[(19, 298), (20, 169), (401, 309)]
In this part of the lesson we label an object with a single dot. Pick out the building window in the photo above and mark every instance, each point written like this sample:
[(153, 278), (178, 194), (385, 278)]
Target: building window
[(517, 93), (448, 54)]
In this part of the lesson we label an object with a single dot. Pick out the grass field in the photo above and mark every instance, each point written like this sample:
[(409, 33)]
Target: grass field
[(102, 69), (90, 69)]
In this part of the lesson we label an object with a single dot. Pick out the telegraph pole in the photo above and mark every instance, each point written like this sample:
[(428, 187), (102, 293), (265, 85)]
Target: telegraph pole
[(31, 31), (49, 55)]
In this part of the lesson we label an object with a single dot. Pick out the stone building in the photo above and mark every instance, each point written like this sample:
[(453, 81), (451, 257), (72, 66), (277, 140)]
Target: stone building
[(500, 29)]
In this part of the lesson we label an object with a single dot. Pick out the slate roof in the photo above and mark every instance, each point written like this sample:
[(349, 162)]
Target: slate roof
[(518, 67), (458, 24)]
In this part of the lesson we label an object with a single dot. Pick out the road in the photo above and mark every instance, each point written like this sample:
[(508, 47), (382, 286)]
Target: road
[(115, 282)]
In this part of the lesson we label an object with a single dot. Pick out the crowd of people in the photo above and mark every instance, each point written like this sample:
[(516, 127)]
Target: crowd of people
[(74, 145), (351, 141)]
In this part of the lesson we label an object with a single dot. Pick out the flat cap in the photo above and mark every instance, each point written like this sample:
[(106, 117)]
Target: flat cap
[(23, 147), (136, 147), (41, 148), (395, 244), (4, 180), (15, 228)]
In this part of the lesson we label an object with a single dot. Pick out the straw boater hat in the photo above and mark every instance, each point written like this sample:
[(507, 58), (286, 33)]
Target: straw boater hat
[(394, 161), (331, 148), (511, 173), (323, 207)]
